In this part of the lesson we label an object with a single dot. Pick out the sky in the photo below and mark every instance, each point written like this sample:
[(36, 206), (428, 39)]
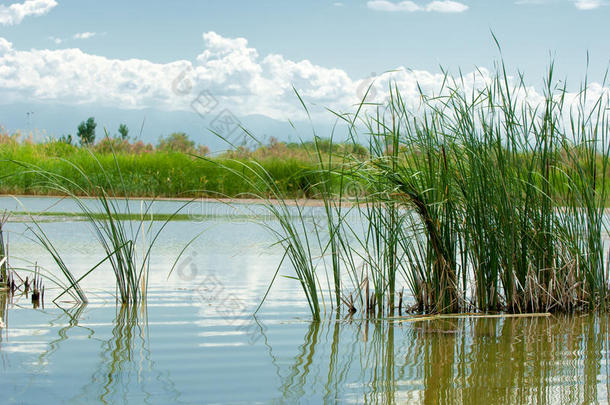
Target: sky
[(122, 59)]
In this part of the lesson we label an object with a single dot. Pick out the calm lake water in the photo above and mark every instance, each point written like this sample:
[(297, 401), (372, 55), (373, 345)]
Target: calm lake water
[(197, 341)]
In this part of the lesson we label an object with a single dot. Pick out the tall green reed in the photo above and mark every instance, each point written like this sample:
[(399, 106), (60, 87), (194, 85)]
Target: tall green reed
[(505, 202), (293, 229), (3, 249), (128, 245), (308, 243), (481, 199)]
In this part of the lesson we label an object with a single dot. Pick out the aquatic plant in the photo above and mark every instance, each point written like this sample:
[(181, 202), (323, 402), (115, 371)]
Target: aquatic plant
[(3, 250), (294, 231), (127, 244), (73, 288), (509, 201), (482, 199)]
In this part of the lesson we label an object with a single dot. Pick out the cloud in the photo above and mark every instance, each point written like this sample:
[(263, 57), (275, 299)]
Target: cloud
[(5, 46), (383, 5), (15, 13), (444, 6), (588, 4), (84, 35), (227, 70), (579, 4), (77, 36)]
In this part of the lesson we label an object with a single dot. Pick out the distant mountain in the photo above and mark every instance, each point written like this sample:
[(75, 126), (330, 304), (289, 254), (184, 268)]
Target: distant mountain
[(52, 120)]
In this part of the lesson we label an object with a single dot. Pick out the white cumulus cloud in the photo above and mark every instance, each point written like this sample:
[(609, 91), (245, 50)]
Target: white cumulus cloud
[(5, 46), (228, 68), (440, 6), (15, 13), (228, 73)]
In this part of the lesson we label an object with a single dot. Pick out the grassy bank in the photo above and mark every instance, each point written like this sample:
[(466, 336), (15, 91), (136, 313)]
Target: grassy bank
[(149, 174)]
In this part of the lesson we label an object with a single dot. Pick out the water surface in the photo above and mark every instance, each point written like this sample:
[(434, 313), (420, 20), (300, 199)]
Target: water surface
[(197, 342)]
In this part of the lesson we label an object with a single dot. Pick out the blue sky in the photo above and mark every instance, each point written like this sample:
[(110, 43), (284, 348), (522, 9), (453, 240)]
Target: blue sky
[(248, 54), (352, 36)]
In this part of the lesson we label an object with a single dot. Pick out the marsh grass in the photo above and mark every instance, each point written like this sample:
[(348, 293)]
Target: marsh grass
[(12, 282), (3, 249), (312, 241), (509, 201), (73, 287), (127, 244), (152, 174), (294, 230), (481, 200)]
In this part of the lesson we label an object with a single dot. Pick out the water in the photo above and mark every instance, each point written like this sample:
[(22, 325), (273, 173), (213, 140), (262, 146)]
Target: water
[(196, 341)]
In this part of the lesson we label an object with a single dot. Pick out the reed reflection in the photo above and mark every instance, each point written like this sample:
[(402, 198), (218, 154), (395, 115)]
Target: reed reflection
[(126, 370), (73, 314), (452, 360)]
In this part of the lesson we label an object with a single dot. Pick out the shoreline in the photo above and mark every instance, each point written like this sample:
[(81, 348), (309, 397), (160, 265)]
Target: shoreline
[(291, 202), (305, 202)]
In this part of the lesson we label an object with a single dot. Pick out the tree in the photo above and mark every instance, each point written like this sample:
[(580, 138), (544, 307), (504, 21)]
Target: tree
[(66, 139), (124, 132), (176, 142), (86, 131)]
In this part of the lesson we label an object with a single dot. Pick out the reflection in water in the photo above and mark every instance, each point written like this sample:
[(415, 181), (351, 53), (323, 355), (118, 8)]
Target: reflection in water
[(96, 354), (295, 382), (73, 314), (336, 373), (126, 372), (193, 354), (456, 360)]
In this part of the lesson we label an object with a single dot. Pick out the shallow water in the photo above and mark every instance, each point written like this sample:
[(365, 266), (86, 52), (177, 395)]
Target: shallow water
[(196, 341)]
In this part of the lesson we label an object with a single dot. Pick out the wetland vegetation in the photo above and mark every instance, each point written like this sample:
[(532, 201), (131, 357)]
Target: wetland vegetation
[(481, 214), (479, 201)]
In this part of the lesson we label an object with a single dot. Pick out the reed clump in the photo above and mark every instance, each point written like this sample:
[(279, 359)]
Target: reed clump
[(508, 197), (3, 251), (11, 283), (483, 199), (127, 243)]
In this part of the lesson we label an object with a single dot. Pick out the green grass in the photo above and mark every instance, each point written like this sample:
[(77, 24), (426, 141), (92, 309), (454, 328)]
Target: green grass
[(128, 245), (481, 201), (154, 174), (509, 199), (3, 250), (159, 174)]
